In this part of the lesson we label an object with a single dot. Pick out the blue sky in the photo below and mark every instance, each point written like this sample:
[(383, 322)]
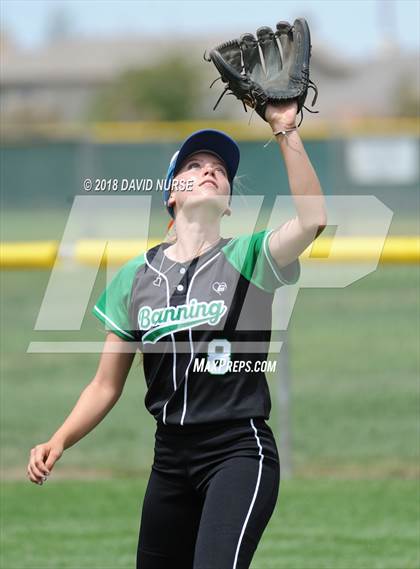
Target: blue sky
[(353, 27)]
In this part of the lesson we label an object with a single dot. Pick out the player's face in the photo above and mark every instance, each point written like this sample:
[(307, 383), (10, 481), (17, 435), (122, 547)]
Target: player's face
[(209, 181)]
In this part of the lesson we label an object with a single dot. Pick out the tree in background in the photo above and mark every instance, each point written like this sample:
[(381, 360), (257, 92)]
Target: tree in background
[(170, 90), (407, 97)]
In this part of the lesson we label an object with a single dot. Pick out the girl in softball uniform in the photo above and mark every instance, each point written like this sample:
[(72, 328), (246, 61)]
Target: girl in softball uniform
[(200, 311)]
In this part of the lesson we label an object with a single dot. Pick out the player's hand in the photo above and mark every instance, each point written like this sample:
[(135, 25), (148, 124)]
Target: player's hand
[(281, 116), (42, 460)]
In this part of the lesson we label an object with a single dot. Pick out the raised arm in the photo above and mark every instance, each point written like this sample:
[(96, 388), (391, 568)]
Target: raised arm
[(289, 240), (95, 401)]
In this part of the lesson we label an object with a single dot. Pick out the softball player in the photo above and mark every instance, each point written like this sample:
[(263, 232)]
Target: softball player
[(215, 476)]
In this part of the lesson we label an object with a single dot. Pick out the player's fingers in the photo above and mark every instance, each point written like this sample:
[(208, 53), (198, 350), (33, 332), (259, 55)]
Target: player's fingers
[(30, 476), (34, 477), (32, 466), (35, 471), (37, 461)]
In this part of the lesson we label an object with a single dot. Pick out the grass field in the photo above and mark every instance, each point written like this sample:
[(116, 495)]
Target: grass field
[(316, 525), (353, 502), (354, 362)]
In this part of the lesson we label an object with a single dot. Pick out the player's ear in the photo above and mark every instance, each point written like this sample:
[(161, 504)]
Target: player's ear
[(171, 199), (227, 212)]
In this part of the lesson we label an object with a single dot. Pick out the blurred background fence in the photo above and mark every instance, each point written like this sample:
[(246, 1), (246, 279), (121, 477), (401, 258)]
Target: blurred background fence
[(45, 172)]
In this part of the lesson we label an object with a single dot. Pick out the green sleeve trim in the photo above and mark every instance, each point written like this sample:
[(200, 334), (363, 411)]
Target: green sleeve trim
[(113, 306), (240, 253), (114, 327), (287, 275), (250, 255)]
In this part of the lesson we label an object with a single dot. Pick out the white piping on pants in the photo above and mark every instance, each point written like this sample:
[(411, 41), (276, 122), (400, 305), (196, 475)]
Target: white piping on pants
[(254, 496)]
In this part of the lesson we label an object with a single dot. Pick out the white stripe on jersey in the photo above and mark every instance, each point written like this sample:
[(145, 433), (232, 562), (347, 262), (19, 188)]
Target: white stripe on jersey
[(172, 336), (276, 270), (190, 335)]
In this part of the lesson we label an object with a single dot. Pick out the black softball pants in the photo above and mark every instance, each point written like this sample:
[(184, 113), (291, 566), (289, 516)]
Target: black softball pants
[(211, 493)]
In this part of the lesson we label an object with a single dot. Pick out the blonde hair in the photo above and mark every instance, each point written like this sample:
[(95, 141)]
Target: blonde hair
[(170, 236)]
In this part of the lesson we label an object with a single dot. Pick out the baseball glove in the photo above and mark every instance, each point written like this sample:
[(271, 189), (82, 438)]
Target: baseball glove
[(272, 68)]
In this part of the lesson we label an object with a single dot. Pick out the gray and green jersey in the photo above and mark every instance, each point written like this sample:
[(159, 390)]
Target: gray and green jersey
[(195, 322)]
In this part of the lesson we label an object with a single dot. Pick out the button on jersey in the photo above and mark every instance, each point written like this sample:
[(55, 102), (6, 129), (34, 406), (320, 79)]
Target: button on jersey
[(197, 325)]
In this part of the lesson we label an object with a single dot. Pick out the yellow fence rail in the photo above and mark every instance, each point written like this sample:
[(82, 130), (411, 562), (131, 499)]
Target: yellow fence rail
[(172, 131), (44, 254)]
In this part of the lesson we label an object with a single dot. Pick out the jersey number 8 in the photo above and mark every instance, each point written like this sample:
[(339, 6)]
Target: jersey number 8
[(218, 356)]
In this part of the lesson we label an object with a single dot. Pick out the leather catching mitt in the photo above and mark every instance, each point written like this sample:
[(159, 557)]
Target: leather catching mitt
[(271, 68)]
